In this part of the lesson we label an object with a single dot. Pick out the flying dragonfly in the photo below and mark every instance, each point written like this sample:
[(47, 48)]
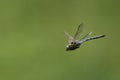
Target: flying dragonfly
[(74, 43)]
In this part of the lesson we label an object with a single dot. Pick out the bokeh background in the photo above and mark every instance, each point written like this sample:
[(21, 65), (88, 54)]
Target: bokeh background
[(32, 40)]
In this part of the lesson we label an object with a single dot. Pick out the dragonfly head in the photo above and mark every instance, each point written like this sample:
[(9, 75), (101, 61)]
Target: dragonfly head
[(71, 47)]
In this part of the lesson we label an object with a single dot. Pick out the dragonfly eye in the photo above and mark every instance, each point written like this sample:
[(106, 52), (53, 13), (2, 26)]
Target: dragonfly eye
[(72, 42)]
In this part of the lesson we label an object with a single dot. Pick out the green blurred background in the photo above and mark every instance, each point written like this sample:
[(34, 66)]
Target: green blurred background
[(32, 40)]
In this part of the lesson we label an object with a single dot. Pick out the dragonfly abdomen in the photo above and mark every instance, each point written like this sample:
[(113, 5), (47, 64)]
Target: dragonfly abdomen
[(95, 37)]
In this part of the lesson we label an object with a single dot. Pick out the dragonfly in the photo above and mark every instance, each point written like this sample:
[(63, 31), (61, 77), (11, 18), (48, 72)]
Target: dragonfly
[(74, 43)]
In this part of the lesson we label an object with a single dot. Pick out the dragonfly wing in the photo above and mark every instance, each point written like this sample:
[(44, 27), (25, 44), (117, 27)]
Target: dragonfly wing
[(78, 32), (86, 36), (70, 38)]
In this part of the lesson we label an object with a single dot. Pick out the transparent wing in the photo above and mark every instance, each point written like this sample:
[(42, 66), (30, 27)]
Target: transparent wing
[(78, 32), (70, 38), (87, 35)]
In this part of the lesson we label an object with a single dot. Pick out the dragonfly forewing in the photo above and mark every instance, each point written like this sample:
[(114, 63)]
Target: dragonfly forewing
[(70, 38), (79, 31)]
